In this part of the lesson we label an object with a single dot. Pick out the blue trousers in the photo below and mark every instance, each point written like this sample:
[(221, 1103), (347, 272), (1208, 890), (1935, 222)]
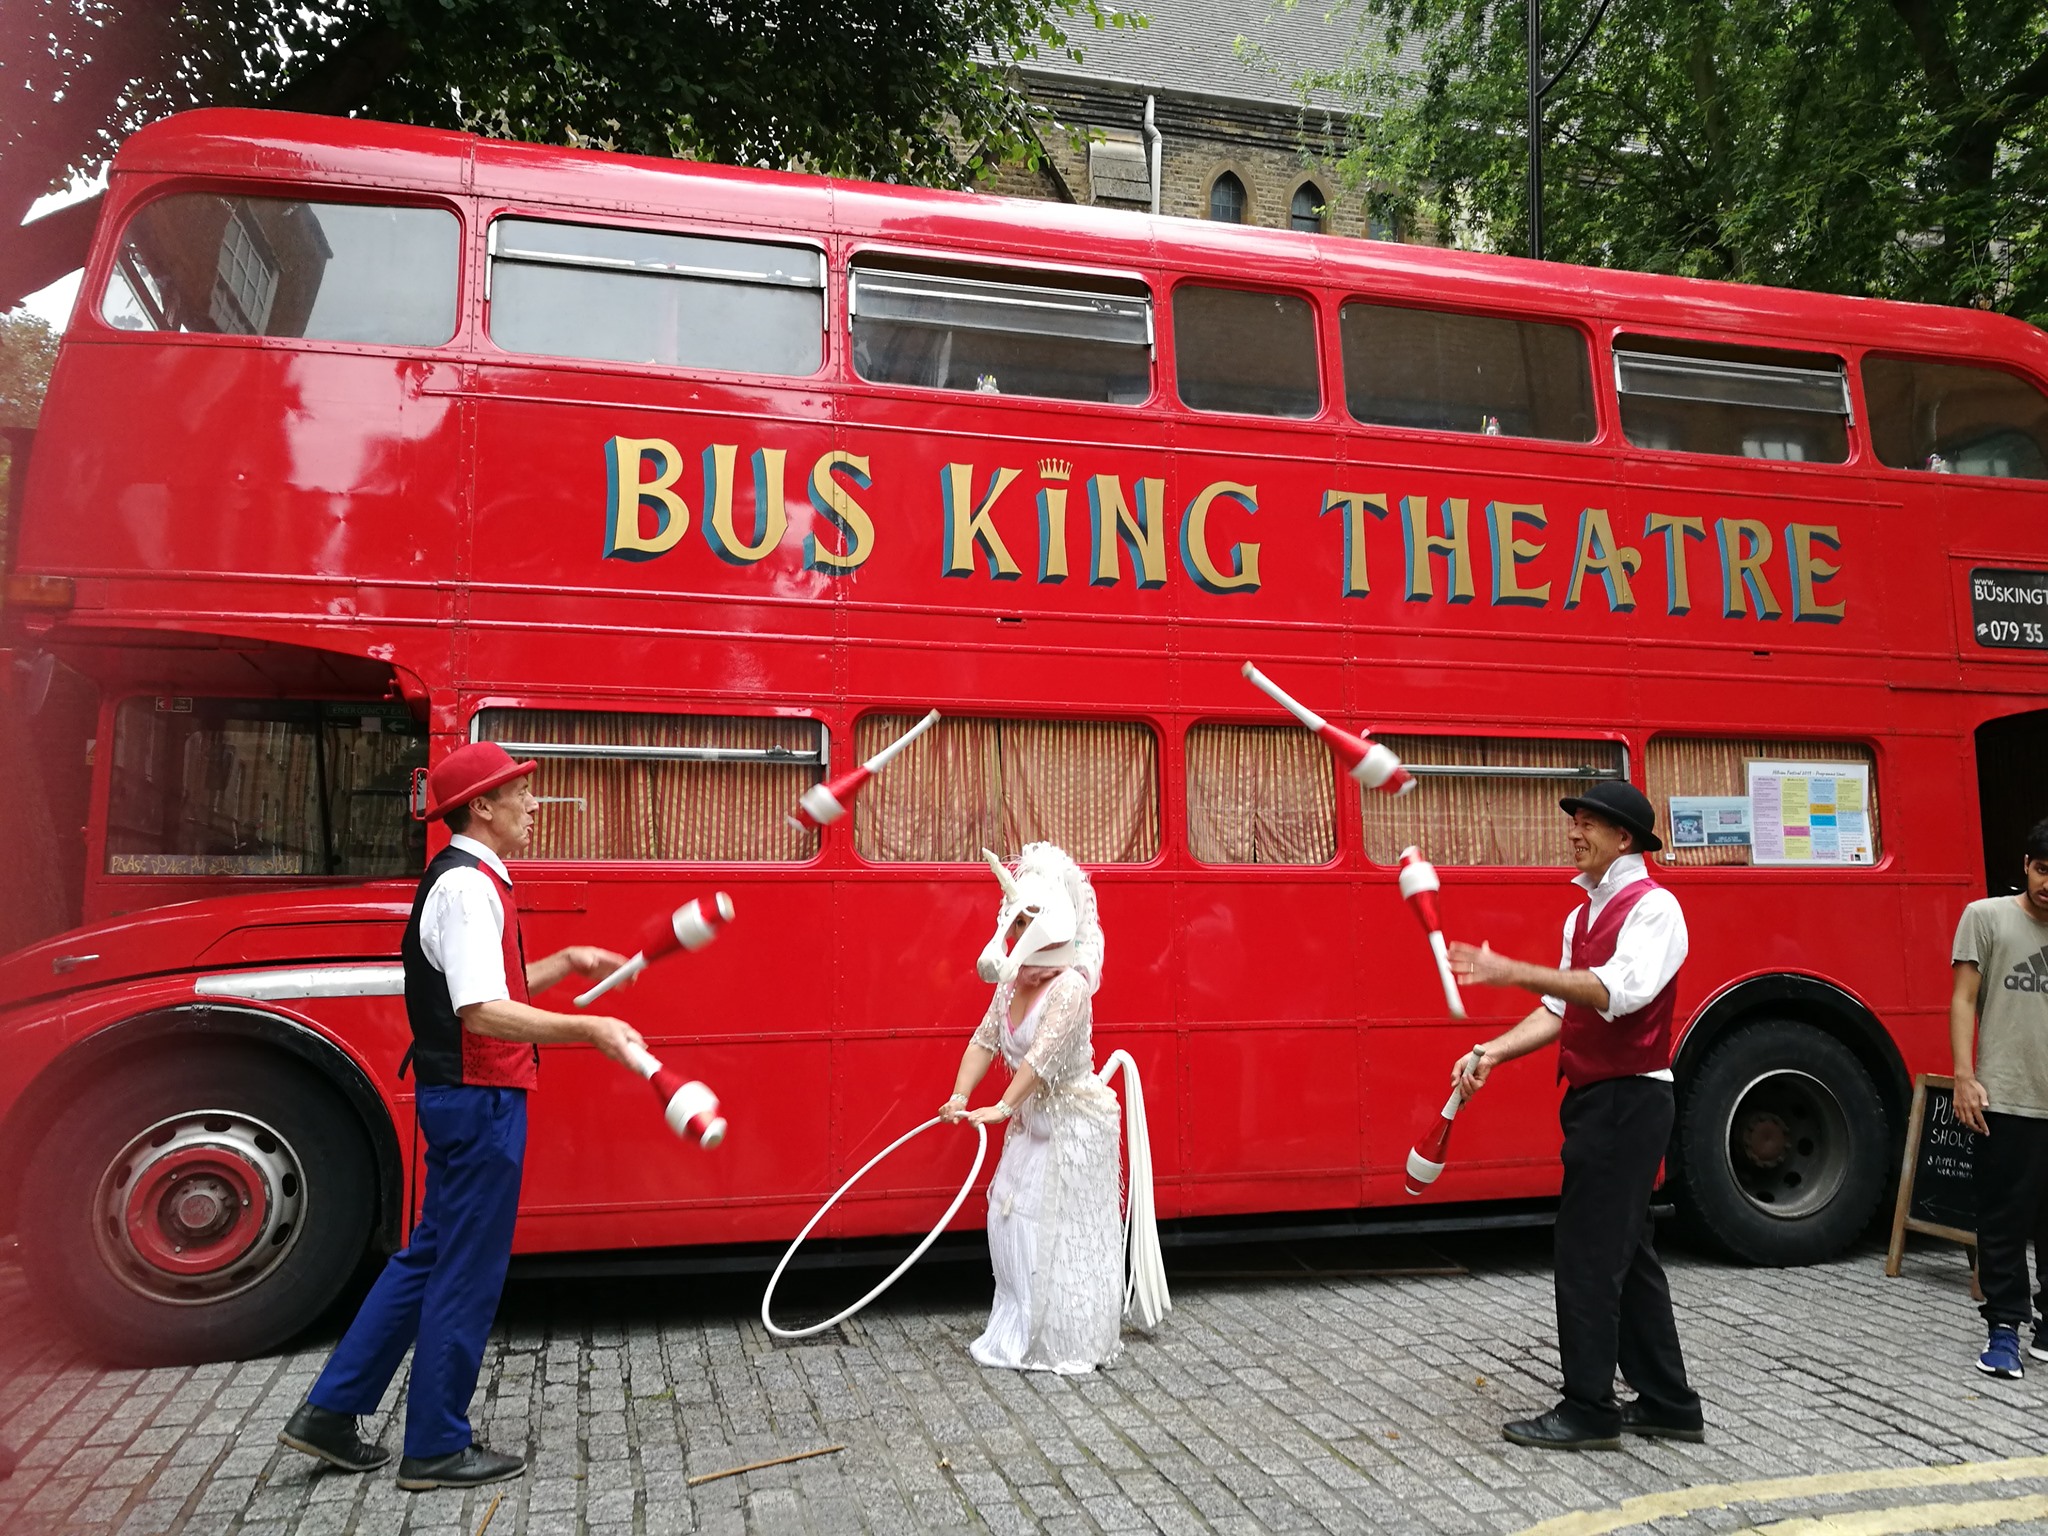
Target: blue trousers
[(442, 1290)]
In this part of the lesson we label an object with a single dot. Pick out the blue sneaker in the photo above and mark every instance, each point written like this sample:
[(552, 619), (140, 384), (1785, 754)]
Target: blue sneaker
[(2001, 1356)]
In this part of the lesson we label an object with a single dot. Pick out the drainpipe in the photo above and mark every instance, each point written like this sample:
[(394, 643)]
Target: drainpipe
[(1154, 149)]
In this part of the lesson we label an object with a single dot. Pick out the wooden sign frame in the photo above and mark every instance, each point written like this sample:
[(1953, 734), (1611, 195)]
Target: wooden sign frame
[(1903, 1219)]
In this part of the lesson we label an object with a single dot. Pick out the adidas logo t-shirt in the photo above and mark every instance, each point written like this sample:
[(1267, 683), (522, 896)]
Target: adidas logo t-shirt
[(2010, 951)]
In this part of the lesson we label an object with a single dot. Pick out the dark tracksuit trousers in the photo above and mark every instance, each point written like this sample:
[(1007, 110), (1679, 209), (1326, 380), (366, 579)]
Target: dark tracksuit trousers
[(1613, 1303), (2011, 1179), (442, 1291)]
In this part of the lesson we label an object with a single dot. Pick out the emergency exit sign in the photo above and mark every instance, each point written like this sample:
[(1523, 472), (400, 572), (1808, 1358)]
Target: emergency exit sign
[(2009, 609)]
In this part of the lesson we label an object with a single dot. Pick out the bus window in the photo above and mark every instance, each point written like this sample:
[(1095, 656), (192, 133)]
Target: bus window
[(265, 266), (617, 787), (1092, 786), (1485, 799), (1442, 372), (1719, 769), (1955, 417), (1252, 353), (1745, 402), (1001, 333), (1260, 794), (263, 787), (644, 296)]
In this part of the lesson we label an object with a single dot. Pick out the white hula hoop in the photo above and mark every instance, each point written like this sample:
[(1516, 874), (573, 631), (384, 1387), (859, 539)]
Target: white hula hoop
[(980, 1152)]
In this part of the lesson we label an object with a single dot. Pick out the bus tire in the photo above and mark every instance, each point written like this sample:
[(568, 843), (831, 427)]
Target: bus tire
[(1782, 1145), (204, 1206)]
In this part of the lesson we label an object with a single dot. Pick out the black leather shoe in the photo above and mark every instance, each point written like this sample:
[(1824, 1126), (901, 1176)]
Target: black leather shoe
[(333, 1438), (467, 1468), (1554, 1432), (1638, 1420)]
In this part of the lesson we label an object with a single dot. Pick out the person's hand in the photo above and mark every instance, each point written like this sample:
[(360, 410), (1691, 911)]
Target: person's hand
[(1971, 1101), (1479, 966), (954, 1110), (988, 1114), (1470, 1072), (589, 960), (615, 1037)]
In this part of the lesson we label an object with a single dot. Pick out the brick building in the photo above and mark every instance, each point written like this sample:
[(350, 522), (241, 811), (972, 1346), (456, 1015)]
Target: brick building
[(1236, 139)]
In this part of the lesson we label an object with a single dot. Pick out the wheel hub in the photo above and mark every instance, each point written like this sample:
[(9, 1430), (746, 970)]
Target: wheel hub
[(1788, 1143), (200, 1206)]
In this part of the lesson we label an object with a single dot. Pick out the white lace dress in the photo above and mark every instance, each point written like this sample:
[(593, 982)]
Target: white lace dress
[(1055, 1231)]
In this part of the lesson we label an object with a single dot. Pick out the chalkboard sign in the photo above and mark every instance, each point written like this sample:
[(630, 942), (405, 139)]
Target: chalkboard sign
[(1937, 1187)]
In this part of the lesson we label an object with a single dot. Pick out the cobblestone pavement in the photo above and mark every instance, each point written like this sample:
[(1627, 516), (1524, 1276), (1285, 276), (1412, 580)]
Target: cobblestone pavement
[(1313, 1403)]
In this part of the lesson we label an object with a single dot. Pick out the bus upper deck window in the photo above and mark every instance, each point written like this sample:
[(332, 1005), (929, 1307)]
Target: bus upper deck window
[(994, 332), (1252, 353), (1955, 417), (1745, 402), (268, 266), (1442, 372), (646, 296)]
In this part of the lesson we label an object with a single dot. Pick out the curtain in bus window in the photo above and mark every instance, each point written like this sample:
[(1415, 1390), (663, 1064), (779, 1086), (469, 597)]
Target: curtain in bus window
[(265, 266), (605, 803), (1955, 417), (647, 296), (1260, 794), (1090, 786), (1680, 765), (1501, 810), (986, 332), (1252, 353), (1443, 372), (263, 787), (1742, 402)]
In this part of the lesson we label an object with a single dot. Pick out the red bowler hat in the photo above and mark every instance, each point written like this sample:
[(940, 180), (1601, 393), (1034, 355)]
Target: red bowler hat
[(469, 771)]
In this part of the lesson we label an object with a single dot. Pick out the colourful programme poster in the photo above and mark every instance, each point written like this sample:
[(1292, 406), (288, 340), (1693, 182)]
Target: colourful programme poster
[(1810, 813)]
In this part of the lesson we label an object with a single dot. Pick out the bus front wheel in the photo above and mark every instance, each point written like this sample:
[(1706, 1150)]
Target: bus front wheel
[(197, 1207), (1782, 1145)]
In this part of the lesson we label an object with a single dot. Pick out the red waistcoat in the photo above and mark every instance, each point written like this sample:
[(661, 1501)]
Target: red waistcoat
[(488, 1063), (1592, 1049)]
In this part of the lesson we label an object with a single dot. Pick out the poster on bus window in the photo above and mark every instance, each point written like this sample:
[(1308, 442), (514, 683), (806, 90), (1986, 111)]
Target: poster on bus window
[(1810, 813), (1710, 821)]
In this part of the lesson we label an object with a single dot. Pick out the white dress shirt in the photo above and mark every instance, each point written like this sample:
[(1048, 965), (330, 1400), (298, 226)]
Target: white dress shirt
[(462, 929), (1648, 951)]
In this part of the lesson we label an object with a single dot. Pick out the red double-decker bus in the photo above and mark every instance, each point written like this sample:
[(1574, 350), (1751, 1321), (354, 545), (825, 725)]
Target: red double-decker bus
[(697, 484)]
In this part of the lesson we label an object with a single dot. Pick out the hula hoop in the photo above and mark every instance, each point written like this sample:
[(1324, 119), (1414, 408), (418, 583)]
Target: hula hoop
[(980, 1152)]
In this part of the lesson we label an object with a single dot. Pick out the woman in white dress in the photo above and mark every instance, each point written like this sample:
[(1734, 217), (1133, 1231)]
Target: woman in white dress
[(1055, 1234)]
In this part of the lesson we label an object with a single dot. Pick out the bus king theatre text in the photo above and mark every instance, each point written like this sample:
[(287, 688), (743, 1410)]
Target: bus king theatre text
[(1060, 523)]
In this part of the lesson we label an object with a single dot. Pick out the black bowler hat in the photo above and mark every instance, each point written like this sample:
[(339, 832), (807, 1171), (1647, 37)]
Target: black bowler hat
[(1623, 804)]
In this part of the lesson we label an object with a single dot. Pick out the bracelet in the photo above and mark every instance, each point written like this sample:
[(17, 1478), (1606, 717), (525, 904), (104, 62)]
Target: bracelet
[(1006, 1108), (958, 1098)]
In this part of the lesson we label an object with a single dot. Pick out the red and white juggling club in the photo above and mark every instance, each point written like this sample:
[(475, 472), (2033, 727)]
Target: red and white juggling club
[(1427, 1158), (1371, 763), (823, 804), (690, 1108), (1419, 885), (691, 926)]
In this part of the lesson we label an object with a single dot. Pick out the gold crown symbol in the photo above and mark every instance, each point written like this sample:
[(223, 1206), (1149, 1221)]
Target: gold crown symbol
[(1055, 469)]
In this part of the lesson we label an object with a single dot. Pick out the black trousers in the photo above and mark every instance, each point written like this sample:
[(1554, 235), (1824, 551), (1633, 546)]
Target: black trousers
[(2011, 1179), (1613, 1302)]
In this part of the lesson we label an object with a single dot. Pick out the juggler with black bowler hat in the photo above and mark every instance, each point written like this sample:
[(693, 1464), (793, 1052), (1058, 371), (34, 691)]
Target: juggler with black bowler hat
[(1609, 1005)]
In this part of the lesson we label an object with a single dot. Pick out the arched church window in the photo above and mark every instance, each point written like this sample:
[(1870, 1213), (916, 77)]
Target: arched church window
[(1227, 199)]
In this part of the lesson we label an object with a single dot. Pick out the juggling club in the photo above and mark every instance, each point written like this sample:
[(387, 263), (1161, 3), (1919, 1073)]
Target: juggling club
[(1419, 885), (1371, 763), (823, 804), (690, 926), (1427, 1157), (690, 1108)]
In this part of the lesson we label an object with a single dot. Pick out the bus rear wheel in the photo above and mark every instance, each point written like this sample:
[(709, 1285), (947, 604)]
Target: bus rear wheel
[(199, 1207), (1782, 1145)]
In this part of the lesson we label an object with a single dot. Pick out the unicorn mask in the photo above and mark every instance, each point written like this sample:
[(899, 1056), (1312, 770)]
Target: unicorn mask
[(1047, 894)]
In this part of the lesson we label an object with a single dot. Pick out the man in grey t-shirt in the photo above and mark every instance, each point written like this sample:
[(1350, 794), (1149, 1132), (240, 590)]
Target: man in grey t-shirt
[(1998, 1030)]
